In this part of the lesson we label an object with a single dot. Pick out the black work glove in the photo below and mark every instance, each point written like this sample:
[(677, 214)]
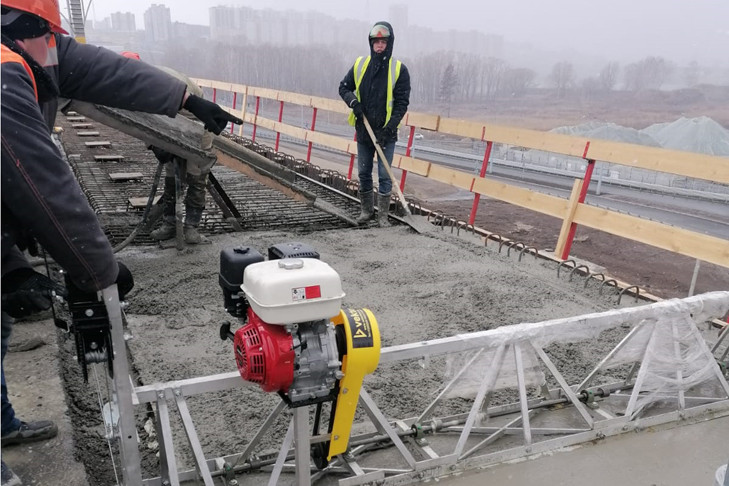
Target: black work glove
[(162, 155), (385, 136), (356, 108), (28, 292), (124, 281), (213, 116)]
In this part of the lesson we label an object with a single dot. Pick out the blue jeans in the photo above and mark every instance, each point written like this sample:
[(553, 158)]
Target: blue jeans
[(365, 161), (9, 422)]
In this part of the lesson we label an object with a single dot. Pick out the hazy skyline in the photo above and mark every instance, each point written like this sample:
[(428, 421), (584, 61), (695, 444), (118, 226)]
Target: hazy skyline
[(622, 30)]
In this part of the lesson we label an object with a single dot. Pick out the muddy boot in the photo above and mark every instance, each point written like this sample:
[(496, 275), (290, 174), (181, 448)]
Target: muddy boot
[(193, 236), (368, 207), (192, 221), (383, 206), (166, 231)]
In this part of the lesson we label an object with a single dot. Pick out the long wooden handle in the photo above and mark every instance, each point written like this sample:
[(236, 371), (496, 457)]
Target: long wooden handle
[(395, 183)]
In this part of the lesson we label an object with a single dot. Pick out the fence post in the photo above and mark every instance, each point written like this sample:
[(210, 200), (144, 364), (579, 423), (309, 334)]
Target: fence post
[(484, 166), (313, 129), (408, 153), (255, 118), (583, 192), (280, 117), (351, 161), (235, 100), (215, 95), (243, 111)]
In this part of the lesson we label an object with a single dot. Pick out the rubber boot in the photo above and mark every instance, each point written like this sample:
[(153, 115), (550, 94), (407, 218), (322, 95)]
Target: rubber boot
[(368, 207), (166, 231), (383, 205), (192, 221)]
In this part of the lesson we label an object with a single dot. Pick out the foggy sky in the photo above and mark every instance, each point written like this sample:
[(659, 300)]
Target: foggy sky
[(621, 30)]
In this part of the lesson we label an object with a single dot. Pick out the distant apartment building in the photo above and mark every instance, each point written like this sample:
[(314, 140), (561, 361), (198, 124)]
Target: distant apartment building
[(158, 23), (123, 22), (181, 30)]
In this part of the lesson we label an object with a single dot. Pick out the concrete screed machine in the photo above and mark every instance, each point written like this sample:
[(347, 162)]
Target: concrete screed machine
[(295, 339)]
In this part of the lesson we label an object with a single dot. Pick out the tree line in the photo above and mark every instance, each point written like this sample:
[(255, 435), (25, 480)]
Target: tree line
[(447, 77)]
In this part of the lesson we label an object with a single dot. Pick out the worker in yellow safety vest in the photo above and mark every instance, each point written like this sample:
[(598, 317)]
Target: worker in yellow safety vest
[(378, 87)]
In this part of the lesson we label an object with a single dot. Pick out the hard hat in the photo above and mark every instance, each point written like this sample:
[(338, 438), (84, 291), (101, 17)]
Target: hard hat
[(130, 55), (45, 9), (379, 31)]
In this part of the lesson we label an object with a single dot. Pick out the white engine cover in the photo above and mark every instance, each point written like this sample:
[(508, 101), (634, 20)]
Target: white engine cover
[(293, 290)]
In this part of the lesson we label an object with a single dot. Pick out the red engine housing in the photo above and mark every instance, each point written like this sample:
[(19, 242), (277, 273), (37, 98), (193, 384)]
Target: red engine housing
[(264, 354)]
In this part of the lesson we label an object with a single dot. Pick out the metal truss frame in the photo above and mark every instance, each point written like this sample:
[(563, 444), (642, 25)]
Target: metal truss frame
[(433, 447)]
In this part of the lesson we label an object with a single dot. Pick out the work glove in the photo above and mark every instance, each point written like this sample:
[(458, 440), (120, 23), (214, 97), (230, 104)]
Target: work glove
[(356, 108), (213, 116), (163, 156), (385, 136), (124, 281), (28, 292)]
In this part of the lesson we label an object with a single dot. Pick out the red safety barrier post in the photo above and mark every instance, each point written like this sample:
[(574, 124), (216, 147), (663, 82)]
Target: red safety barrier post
[(408, 152), (351, 162), (255, 117), (235, 100), (215, 94), (581, 199), (484, 166), (313, 129), (280, 117)]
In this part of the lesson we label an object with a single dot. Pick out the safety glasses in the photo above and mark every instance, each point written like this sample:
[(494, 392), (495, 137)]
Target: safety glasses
[(379, 31)]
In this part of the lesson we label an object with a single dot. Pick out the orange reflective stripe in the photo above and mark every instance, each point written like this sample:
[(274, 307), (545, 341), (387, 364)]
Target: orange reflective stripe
[(10, 56)]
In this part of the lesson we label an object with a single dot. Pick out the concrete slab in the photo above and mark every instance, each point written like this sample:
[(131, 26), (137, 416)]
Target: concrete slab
[(36, 392), (669, 457)]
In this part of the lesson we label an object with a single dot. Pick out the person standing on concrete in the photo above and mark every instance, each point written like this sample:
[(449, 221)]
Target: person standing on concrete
[(41, 200), (378, 88), (193, 176)]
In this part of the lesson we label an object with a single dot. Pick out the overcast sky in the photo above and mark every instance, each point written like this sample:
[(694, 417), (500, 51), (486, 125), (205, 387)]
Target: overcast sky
[(679, 30)]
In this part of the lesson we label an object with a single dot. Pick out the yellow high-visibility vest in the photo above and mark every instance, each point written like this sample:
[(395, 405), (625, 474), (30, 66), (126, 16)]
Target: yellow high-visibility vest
[(359, 70)]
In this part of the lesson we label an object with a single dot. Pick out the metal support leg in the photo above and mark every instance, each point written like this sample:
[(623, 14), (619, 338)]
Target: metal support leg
[(129, 446), (202, 465), (302, 446), (281, 459), (486, 386), (179, 201), (168, 463)]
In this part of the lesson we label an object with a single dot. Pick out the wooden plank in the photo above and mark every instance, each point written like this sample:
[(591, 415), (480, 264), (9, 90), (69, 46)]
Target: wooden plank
[(421, 120), (71, 113), (125, 176), (690, 164), (88, 134), (141, 202), (542, 203), (569, 217), (412, 165), (75, 118), (520, 137), (81, 125), (677, 240), (108, 158), (452, 177), (100, 143)]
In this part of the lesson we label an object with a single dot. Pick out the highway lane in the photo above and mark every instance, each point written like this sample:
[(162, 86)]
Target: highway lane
[(699, 215)]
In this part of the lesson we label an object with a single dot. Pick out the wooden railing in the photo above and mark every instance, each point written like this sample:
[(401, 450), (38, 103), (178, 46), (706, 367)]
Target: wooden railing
[(572, 211)]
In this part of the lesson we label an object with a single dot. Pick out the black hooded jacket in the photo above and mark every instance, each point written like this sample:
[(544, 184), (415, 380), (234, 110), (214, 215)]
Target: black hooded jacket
[(373, 93)]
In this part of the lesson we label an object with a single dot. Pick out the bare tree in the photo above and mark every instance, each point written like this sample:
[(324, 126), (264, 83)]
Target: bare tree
[(649, 73), (493, 76), (448, 84), (517, 81), (608, 77), (562, 77)]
